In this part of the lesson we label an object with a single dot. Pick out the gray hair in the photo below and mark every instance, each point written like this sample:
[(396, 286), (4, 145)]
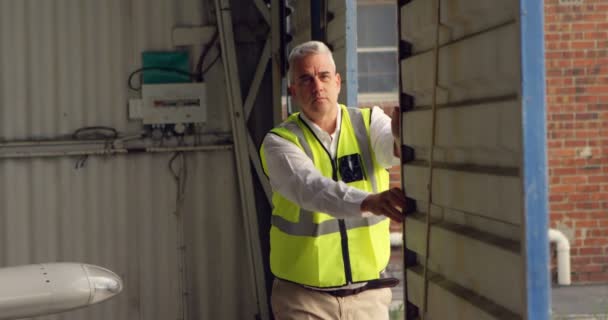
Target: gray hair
[(306, 49)]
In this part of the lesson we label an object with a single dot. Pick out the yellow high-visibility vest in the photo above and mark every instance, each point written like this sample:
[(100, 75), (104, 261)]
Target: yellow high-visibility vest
[(314, 248)]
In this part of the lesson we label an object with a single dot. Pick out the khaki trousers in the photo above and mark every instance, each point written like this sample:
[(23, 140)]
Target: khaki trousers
[(293, 302)]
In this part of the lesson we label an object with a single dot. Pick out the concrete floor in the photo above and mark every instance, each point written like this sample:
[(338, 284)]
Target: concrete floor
[(589, 302)]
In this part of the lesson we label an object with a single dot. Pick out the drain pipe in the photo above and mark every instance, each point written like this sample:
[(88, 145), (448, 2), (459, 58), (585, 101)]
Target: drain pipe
[(563, 256), (556, 236), (396, 239)]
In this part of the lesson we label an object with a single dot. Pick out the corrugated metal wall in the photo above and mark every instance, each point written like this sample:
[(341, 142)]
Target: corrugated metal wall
[(64, 65)]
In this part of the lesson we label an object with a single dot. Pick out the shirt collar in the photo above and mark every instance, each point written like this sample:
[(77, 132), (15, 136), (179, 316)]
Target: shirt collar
[(320, 132)]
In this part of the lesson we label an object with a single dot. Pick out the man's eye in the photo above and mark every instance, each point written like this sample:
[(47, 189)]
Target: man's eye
[(305, 81)]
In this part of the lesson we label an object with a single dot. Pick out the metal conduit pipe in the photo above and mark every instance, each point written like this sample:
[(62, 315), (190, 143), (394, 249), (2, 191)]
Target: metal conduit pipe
[(563, 256), (66, 142), (113, 151)]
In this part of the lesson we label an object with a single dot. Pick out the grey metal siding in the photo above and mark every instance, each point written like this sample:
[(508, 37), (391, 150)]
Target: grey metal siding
[(119, 213), (64, 65)]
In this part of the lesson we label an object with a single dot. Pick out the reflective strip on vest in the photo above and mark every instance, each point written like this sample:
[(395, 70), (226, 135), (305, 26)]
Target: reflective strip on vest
[(311, 229), (356, 119)]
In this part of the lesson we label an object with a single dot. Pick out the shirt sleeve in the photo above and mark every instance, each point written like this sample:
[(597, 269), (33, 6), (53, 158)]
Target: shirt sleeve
[(382, 138), (293, 175)]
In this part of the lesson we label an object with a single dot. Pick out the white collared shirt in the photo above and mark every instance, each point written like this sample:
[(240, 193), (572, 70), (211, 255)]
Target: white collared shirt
[(293, 174)]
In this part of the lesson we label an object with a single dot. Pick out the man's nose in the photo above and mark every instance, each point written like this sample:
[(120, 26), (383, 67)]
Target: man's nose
[(317, 84)]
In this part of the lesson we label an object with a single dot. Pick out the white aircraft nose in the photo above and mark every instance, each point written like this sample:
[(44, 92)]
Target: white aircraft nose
[(41, 289), (104, 283)]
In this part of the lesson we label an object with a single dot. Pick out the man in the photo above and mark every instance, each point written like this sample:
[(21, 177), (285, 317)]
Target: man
[(329, 239)]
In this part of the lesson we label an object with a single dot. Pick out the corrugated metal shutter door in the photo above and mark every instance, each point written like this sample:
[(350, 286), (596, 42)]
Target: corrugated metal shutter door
[(488, 167)]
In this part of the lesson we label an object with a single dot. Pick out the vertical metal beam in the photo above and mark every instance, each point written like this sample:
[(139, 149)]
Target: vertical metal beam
[(248, 107), (240, 135), (535, 159), (433, 129), (406, 103), (277, 10), (352, 62), (257, 79), (315, 20)]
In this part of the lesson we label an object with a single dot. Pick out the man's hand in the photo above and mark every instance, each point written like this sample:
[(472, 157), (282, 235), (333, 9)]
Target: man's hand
[(388, 203), (396, 129)]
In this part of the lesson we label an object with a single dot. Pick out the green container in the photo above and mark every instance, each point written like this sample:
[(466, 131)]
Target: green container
[(176, 60)]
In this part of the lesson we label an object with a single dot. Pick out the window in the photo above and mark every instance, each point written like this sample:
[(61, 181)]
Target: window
[(377, 50)]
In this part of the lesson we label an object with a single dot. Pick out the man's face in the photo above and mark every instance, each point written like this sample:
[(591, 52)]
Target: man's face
[(315, 85)]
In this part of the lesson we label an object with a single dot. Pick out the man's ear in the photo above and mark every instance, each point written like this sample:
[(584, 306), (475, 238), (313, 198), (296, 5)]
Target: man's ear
[(339, 80)]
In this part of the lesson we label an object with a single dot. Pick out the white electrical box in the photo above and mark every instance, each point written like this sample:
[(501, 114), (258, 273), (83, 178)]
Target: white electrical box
[(170, 103)]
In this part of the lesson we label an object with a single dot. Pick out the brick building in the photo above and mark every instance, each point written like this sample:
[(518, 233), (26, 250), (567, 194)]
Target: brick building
[(576, 42)]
